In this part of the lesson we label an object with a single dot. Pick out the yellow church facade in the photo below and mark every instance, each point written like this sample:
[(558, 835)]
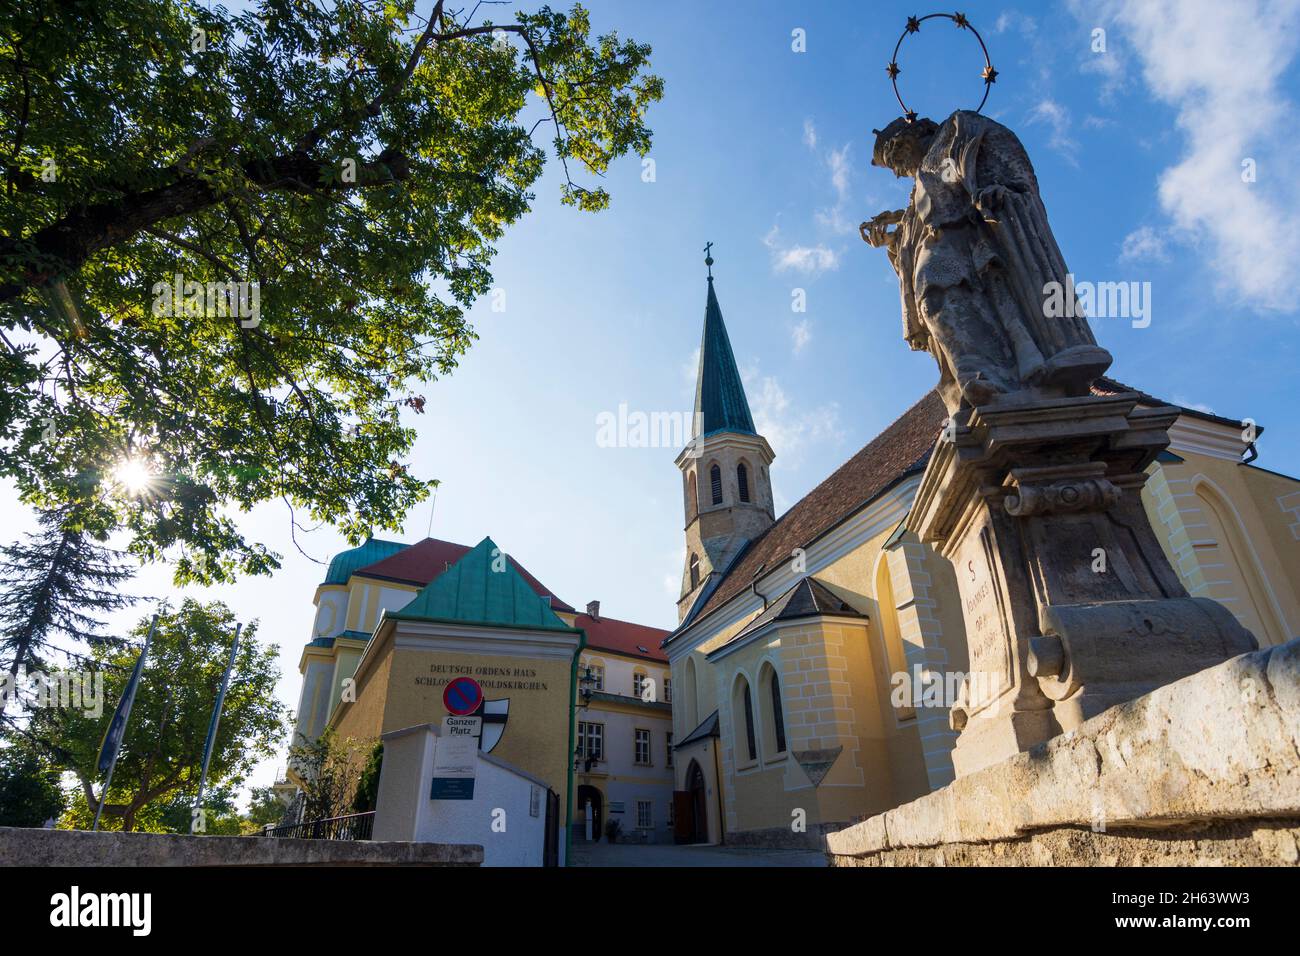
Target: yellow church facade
[(818, 653)]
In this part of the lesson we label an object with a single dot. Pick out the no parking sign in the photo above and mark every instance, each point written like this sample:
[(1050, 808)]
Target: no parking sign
[(462, 696)]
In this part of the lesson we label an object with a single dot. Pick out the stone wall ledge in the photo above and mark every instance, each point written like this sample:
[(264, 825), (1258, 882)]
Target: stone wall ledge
[(1218, 746), (24, 847)]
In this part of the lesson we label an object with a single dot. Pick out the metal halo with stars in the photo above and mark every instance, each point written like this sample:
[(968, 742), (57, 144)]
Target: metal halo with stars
[(989, 74)]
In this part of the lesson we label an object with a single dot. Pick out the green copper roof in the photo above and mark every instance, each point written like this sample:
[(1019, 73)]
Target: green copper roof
[(483, 587), (720, 404), (346, 563)]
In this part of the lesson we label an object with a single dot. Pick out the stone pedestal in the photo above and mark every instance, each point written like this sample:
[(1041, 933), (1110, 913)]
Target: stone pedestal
[(1069, 602)]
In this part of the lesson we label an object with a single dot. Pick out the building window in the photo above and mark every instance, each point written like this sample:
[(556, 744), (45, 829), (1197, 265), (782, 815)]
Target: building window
[(670, 814), (695, 571), (742, 479), (668, 753), (745, 704), (591, 740), (644, 815), (778, 719), (638, 685), (597, 674), (715, 484), (668, 690), (642, 747)]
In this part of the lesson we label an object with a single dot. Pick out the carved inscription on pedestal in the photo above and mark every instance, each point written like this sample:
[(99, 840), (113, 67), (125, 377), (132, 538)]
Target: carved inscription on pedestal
[(987, 636)]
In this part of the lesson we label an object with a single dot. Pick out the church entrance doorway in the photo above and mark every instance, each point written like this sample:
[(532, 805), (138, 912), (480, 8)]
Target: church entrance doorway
[(691, 813), (589, 796)]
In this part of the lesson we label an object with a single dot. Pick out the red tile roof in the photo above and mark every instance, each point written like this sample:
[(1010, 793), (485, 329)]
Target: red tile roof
[(901, 448), (425, 560), (622, 637)]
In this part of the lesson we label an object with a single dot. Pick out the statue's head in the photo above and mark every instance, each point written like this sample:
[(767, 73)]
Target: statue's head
[(901, 145)]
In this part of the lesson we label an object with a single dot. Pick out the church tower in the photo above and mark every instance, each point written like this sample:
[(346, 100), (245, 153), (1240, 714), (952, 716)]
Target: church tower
[(725, 483)]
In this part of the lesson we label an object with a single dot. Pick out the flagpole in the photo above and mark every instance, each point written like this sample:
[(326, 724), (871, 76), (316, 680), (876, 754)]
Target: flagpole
[(128, 700), (216, 719)]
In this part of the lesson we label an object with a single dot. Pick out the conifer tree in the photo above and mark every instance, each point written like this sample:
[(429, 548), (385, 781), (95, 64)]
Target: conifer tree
[(57, 584)]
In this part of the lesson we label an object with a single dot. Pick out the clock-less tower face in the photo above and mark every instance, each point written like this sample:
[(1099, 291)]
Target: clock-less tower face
[(330, 614)]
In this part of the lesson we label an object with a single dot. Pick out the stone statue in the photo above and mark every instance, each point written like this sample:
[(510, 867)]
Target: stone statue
[(1033, 494), (975, 259)]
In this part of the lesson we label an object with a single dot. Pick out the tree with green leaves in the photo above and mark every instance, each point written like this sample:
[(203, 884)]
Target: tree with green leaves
[(55, 585), (264, 808), (342, 171), (30, 792), (330, 772), (162, 749)]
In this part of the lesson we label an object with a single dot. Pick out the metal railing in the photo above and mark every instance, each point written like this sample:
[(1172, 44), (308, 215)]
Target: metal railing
[(353, 826)]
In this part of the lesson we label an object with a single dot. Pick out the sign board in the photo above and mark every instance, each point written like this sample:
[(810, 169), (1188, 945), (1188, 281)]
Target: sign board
[(462, 696), (462, 726), (455, 759)]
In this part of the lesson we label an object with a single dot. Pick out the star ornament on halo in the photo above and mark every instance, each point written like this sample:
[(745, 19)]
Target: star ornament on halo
[(913, 25), (892, 70), (990, 75)]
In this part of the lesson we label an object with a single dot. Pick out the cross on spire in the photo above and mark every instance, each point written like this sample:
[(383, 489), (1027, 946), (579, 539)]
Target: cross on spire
[(708, 258)]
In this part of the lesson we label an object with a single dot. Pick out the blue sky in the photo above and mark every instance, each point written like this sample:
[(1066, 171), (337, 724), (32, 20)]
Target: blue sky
[(766, 152)]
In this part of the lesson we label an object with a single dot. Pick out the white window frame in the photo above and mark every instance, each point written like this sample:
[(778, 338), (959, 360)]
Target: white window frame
[(636, 747), (645, 815), (585, 738)]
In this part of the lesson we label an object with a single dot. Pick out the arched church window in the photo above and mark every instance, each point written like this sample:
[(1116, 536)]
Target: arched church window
[(778, 719), (695, 571), (742, 479), (692, 508), (747, 706), (715, 484)]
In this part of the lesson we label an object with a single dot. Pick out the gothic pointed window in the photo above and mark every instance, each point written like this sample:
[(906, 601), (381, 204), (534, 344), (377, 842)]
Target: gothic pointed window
[(715, 484), (742, 479), (749, 722), (695, 571), (778, 719)]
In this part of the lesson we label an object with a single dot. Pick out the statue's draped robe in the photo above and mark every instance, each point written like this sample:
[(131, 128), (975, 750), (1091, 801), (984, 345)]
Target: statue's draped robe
[(974, 280)]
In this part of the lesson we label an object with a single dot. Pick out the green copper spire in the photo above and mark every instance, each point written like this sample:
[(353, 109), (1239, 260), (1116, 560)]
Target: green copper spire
[(483, 587), (720, 403)]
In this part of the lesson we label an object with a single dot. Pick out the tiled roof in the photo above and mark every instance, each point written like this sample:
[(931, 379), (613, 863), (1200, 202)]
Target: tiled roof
[(708, 728), (900, 449), (1109, 386), (475, 591), (808, 597), (424, 561), (622, 637)]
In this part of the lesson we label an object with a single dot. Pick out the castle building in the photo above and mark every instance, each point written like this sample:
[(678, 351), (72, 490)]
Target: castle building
[(395, 623), (817, 654)]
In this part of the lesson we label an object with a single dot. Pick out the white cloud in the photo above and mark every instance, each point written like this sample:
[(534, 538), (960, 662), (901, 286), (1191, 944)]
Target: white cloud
[(809, 134), (1013, 19), (1056, 116), (1222, 66), (838, 161), (788, 430), (1143, 244), (1198, 406), (809, 260), (691, 367), (801, 335)]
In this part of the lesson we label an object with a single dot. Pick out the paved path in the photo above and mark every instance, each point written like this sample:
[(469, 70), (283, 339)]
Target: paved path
[(660, 854)]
